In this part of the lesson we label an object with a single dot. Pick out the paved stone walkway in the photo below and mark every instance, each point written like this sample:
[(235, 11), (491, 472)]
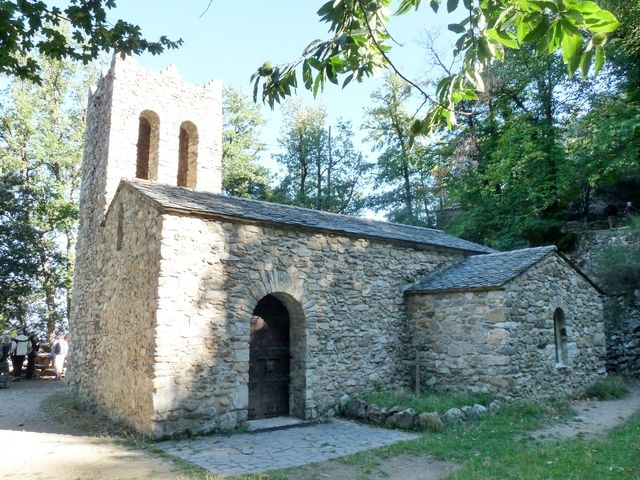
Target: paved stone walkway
[(245, 453)]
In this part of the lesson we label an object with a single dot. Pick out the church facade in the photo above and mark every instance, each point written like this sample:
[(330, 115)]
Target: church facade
[(196, 311)]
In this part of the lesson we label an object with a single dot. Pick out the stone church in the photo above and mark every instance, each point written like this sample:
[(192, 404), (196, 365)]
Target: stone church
[(194, 311)]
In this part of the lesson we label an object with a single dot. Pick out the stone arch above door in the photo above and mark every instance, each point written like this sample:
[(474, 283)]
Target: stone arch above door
[(302, 318)]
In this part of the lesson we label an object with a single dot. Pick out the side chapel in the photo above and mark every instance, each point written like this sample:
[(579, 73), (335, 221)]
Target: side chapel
[(195, 311)]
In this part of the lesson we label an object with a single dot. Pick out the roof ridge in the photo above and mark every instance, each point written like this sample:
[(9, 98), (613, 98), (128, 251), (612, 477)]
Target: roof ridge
[(549, 248), (284, 205), (178, 200)]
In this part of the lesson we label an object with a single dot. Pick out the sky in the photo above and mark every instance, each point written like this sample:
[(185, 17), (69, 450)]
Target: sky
[(229, 40)]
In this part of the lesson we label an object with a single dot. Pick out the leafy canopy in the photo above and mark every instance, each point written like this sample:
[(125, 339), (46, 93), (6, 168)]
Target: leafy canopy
[(361, 44), (33, 26)]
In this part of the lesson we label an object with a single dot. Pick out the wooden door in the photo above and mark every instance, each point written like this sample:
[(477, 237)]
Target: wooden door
[(269, 360)]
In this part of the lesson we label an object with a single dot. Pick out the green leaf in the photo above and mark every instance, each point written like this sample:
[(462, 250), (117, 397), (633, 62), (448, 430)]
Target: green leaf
[(585, 63), (315, 63), (572, 51), (569, 27), (456, 28), (318, 84), (600, 58), (452, 5), (337, 62), (503, 37), (406, 5), (538, 31), (307, 78), (435, 5), (347, 80), (586, 7), (602, 21), (522, 29), (575, 15), (331, 74)]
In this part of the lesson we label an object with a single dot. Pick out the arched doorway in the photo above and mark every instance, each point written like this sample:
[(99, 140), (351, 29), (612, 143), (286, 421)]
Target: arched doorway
[(269, 365)]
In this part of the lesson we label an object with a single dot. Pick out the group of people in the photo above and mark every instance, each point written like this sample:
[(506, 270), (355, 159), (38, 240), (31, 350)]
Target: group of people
[(611, 211), (25, 347)]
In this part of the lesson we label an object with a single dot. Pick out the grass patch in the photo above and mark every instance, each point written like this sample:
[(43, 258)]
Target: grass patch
[(616, 457), (82, 418), (609, 388), (487, 437), (426, 402)]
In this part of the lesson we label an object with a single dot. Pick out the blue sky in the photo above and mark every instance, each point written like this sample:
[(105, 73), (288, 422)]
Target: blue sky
[(231, 39)]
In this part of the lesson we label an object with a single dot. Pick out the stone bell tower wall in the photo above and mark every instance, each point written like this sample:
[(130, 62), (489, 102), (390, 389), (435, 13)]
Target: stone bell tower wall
[(186, 124)]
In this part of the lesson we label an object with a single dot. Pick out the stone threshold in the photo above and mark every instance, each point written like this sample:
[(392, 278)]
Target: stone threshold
[(277, 423)]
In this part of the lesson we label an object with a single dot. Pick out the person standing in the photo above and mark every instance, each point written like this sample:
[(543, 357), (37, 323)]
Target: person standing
[(611, 211), (59, 353), (5, 353), (19, 348), (630, 209), (32, 354)]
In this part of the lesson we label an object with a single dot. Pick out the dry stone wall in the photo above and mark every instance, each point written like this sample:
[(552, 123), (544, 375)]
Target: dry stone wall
[(622, 315), (503, 340), (112, 355), (344, 296), (622, 321)]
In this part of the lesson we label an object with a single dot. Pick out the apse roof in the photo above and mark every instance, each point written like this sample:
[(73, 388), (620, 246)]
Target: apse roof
[(486, 271)]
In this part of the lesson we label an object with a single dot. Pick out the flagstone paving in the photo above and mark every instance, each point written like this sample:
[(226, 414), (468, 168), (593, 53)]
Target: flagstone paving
[(245, 453)]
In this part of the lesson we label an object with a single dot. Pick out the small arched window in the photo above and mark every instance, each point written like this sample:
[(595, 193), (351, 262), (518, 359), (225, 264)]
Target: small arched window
[(120, 228), (148, 140), (187, 155), (560, 330)]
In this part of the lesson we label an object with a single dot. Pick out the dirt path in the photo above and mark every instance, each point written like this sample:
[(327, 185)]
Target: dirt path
[(593, 418), (41, 447)]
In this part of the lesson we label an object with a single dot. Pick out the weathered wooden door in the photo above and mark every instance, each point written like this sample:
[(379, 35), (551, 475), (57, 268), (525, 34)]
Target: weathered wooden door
[(269, 360)]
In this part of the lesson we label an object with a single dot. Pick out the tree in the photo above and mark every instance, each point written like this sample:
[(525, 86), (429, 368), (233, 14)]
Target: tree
[(41, 136), (241, 147), (28, 28), (603, 146), (323, 170), (402, 175), (361, 44), (509, 169), (625, 46)]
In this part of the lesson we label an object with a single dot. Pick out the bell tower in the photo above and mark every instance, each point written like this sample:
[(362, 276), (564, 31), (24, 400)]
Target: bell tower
[(152, 126)]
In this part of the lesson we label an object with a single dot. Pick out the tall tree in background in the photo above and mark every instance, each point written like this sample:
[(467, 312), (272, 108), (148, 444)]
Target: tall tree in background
[(41, 137), (241, 147), (402, 174), (512, 183), (323, 169)]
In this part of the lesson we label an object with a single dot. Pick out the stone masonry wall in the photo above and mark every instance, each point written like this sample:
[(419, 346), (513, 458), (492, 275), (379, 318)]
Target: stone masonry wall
[(460, 338), (344, 296), (503, 340), (113, 326), (622, 321), (136, 90), (532, 299), (113, 113), (622, 315)]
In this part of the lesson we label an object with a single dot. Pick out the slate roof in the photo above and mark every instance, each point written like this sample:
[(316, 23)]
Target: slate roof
[(183, 200), (483, 271)]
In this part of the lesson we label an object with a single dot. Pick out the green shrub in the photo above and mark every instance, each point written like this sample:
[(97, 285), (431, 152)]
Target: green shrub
[(618, 266), (614, 386)]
